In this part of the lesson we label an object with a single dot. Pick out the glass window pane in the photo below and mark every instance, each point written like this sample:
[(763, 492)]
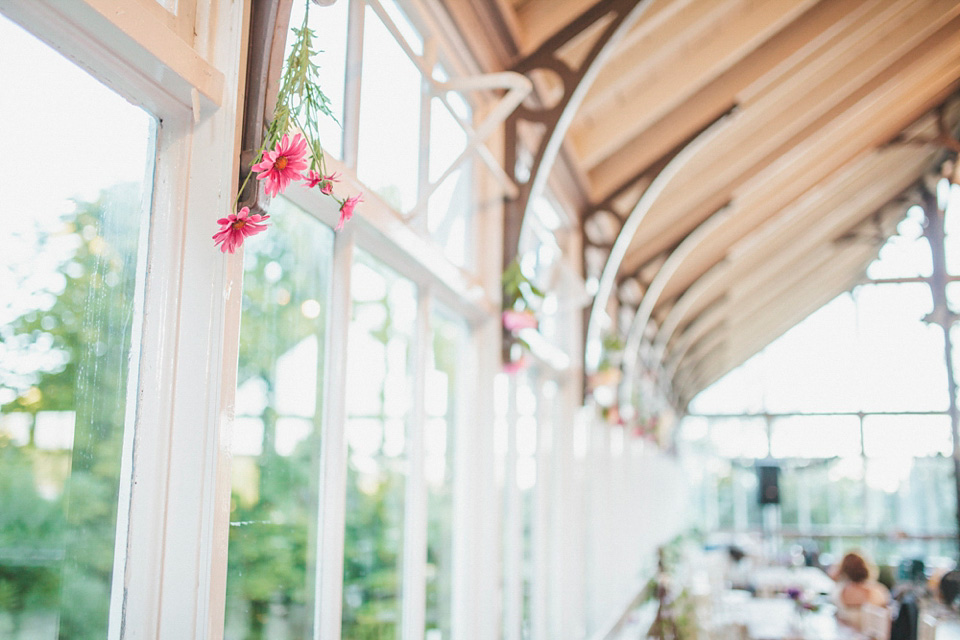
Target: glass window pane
[(829, 494), (901, 365), (329, 25), (450, 207), (389, 117), (378, 406), (905, 254), (899, 436), (911, 496), (444, 376), (952, 228), (75, 209), (953, 296), (815, 437), (813, 366), (740, 391), (739, 437), (276, 435)]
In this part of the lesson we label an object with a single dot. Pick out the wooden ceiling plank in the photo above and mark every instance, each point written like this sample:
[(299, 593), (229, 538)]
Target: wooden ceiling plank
[(813, 163), (794, 274), (778, 244), (752, 322), (653, 20), (692, 68), (720, 95), (899, 90), (540, 19), (754, 135), (761, 335), (637, 58)]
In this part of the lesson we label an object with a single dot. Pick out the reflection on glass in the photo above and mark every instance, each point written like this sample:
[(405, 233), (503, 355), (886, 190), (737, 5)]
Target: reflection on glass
[(276, 435), (389, 141), (442, 382), (378, 408), (74, 206)]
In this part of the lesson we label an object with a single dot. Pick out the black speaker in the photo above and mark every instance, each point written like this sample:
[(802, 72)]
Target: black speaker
[(769, 481)]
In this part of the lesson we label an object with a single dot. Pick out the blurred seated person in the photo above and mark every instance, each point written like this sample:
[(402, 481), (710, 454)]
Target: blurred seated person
[(857, 586), (739, 569), (948, 588)]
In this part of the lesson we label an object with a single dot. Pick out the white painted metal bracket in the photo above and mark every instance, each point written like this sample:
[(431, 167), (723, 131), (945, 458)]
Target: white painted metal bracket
[(517, 86)]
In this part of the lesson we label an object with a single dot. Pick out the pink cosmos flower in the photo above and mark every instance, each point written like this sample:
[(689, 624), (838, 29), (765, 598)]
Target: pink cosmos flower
[(236, 227), (517, 320), (282, 165), (346, 209), (515, 366), (326, 182)]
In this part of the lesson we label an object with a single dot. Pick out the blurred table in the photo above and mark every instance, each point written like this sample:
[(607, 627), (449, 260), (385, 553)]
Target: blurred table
[(769, 581), (777, 619)]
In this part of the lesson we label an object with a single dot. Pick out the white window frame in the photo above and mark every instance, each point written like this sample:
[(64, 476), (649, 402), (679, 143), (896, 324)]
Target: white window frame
[(173, 524), (400, 243), (173, 516)]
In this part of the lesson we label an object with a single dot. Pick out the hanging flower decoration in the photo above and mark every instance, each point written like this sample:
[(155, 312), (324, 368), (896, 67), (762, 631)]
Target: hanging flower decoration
[(517, 320), (519, 295), (237, 226), (282, 159), (283, 165), (346, 209)]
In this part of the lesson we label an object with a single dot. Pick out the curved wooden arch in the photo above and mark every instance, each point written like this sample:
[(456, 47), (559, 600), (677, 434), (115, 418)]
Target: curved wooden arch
[(628, 231), (631, 350), (556, 119)]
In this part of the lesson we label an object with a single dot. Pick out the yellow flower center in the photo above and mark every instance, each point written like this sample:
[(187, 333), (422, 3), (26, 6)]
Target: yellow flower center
[(280, 163), (239, 224)]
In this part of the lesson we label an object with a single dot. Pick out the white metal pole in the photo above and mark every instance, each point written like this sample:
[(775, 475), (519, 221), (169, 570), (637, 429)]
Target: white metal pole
[(331, 515), (415, 508)]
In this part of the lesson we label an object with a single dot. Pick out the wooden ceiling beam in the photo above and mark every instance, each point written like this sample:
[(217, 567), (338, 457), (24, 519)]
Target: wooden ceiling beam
[(751, 329), (813, 27), (648, 50), (704, 334), (725, 43), (858, 121), (796, 232), (759, 336), (653, 21), (538, 20), (842, 139), (761, 296)]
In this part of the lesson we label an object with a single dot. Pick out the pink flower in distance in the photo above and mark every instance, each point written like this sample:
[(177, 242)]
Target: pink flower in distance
[(517, 320), (282, 165), (312, 178), (515, 366), (236, 227), (346, 209), (325, 182)]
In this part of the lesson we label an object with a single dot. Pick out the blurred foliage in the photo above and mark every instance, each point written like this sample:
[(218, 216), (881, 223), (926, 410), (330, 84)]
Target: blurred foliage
[(69, 351)]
